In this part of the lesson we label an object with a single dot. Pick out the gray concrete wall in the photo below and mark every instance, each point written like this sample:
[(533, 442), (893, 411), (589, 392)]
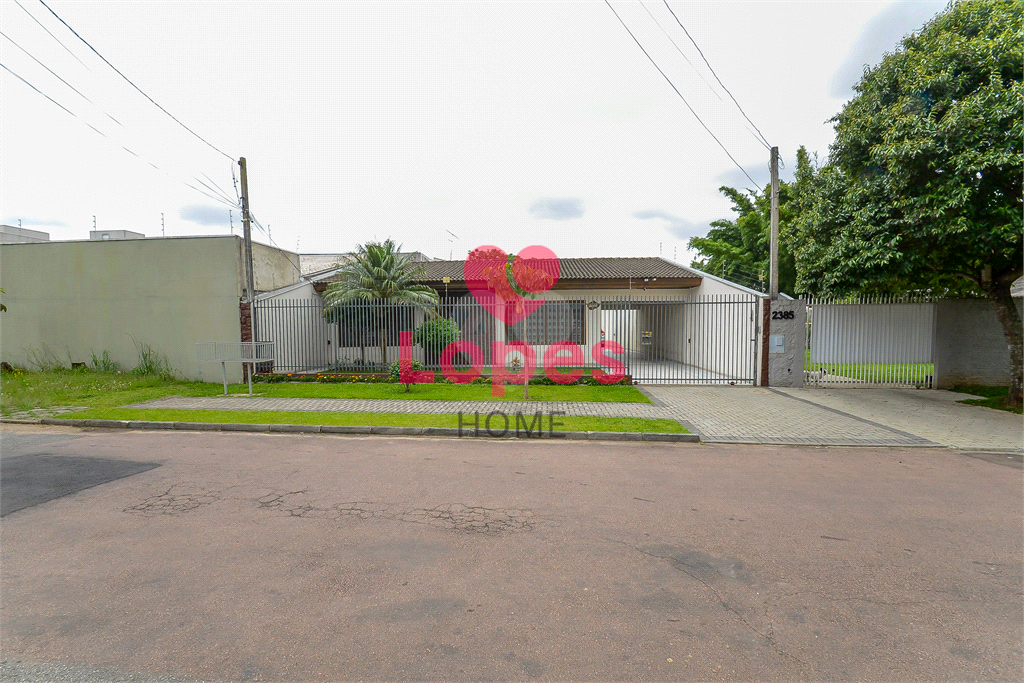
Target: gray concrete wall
[(970, 347), (71, 299), (786, 368)]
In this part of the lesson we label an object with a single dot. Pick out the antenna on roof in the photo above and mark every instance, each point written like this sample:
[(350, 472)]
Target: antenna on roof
[(451, 243)]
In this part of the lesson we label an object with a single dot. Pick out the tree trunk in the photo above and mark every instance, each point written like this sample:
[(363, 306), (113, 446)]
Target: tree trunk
[(999, 295)]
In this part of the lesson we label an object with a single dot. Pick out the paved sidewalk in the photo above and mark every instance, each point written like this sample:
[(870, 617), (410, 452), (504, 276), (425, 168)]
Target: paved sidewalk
[(378, 405), (828, 417)]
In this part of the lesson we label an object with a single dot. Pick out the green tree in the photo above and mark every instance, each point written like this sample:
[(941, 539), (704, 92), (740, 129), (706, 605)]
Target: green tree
[(923, 185), (434, 334), (376, 272), (740, 249)]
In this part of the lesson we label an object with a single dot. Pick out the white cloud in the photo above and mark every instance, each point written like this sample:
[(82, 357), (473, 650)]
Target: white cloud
[(557, 209)]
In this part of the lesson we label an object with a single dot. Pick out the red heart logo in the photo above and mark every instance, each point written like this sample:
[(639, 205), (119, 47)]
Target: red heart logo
[(506, 290)]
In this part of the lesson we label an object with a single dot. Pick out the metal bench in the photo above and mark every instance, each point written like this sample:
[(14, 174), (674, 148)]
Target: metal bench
[(235, 352)]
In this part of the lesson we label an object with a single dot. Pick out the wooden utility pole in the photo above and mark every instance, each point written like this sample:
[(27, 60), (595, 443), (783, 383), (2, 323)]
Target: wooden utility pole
[(774, 259), (250, 289), (250, 292)]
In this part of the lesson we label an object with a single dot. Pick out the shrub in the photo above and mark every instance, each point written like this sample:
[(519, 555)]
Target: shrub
[(395, 374), (435, 334)]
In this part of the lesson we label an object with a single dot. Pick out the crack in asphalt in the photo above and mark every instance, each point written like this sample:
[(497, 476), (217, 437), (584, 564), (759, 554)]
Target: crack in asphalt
[(769, 636), (450, 516), (176, 500)]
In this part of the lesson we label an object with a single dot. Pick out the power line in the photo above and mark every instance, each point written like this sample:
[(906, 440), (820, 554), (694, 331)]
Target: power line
[(677, 92), (40, 92), (73, 114), (763, 139), (699, 74), (678, 49), (44, 66), (59, 41), (197, 135)]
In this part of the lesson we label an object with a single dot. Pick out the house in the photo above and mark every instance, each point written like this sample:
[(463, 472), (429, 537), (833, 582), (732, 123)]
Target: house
[(70, 300), (673, 322)]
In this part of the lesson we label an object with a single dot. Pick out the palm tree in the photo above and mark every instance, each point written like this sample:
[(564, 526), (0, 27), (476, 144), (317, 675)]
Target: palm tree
[(377, 273)]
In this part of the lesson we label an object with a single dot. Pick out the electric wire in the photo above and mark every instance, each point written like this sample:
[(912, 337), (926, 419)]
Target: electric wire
[(174, 118), (44, 66), (41, 92), (214, 196), (224, 198), (219, 188), (59, 41), (677, 92), (699, 74), (764, 140), (271, 240), (679, 49)]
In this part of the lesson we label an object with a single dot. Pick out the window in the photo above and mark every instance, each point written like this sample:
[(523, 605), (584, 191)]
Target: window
[(553, 322)]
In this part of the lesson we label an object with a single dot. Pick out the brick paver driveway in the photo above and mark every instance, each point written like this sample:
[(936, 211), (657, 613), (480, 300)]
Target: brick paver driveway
[(897, 417)]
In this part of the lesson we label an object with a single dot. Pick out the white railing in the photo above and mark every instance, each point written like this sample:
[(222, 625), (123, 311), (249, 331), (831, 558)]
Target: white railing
[(235, 352)]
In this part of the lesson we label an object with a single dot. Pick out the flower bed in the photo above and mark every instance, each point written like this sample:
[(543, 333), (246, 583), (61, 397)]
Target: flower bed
[(380, 378)]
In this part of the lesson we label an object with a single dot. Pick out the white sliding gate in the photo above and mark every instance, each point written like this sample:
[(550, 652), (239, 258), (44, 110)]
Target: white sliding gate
[(870, 342)]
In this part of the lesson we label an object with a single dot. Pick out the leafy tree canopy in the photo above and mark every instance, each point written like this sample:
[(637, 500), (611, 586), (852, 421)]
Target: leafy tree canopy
[(923, 185), (739, 249), (377, 271), (922, 189)]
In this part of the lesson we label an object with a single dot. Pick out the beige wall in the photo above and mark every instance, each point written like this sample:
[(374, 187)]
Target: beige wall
[(272, 268), (72, 299)]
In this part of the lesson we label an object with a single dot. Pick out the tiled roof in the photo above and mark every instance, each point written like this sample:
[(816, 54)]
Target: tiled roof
[(603, 268)]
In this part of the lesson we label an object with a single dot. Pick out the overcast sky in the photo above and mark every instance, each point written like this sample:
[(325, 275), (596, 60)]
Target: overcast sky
[(506, 123)]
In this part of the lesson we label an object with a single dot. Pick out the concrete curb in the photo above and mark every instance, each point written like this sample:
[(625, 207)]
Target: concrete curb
[(360, 429)]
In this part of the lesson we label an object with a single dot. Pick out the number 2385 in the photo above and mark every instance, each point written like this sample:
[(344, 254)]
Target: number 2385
[(783, 315)]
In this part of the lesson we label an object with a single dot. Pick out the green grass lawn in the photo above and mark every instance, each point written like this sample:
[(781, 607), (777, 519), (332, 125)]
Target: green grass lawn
[(582, 424), (27, 390), (23, 390), (452, 392), (991, 397), (911, 373)]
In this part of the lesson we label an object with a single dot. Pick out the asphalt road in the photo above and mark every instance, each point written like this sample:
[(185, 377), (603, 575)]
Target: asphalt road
[(184, 556)]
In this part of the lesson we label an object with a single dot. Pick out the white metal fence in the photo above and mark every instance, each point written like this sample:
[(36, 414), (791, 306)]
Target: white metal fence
[(879, 341), (667, 339)]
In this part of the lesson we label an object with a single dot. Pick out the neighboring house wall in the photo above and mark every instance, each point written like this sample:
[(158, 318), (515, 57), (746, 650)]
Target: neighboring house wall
[(74, 299), (970, 346), (272, 268)]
